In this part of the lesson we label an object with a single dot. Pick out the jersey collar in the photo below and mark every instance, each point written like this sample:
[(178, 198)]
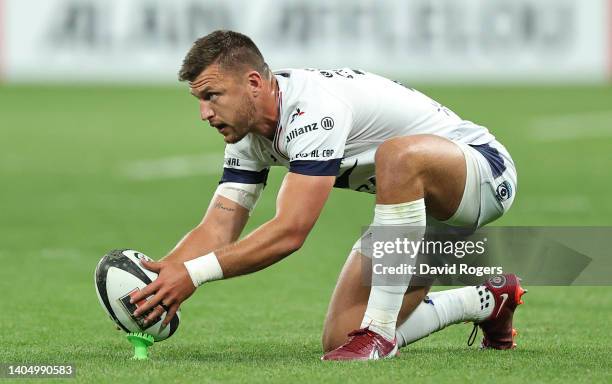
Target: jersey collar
[(279, 126)]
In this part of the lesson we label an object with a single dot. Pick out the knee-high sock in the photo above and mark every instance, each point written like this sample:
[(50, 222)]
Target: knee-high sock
[(441, 309), (385, 301)]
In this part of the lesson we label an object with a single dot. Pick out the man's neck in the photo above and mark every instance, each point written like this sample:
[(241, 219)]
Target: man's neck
[(271, 111)]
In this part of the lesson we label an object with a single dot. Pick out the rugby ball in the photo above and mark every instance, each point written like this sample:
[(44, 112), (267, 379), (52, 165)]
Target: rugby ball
[(119, 276)]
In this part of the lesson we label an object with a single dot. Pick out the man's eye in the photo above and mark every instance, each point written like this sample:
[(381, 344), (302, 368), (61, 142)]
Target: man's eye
[(210, 96)]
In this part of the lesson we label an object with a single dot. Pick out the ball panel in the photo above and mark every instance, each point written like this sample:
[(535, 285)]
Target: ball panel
[(135, 257), (174, 323), (119, 285), (100, 281)]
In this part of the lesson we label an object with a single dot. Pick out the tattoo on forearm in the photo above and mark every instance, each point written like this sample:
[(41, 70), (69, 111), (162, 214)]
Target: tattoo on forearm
[(220, 206)]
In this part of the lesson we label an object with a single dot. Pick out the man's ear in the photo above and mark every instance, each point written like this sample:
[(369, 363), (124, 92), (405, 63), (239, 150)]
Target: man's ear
[(255, 82)]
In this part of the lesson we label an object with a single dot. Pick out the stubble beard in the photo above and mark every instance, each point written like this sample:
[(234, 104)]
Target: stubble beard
[(246, 113)]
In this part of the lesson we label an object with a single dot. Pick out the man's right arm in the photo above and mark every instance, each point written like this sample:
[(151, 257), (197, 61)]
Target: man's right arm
[(222, 225)]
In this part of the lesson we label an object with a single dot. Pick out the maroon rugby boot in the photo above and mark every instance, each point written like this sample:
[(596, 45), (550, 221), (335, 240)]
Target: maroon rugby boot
[(364, 344), (497, 328)]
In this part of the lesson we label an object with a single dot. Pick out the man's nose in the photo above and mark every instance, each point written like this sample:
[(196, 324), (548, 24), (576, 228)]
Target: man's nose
[(206, 111)]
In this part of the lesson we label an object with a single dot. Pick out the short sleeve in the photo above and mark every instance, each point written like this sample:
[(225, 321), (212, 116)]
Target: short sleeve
[(242, 165)]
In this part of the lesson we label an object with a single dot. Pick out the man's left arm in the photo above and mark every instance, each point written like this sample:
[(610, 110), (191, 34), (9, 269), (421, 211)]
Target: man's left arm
[(299, 203)]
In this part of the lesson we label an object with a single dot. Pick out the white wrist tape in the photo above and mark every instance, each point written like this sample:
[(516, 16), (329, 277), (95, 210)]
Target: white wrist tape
[(204, 268), (244, 194)]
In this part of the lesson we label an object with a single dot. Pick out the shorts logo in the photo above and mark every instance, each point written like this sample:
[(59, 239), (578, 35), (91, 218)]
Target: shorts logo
[(504, 191), (498, 281), (327, 123)]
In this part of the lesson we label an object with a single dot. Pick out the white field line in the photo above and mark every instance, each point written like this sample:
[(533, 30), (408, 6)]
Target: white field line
[(572, 126), (174, 167)]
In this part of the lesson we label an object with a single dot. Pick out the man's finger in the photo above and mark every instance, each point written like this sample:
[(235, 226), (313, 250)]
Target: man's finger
[(173, 309), (152, 302), (145, 292), (157, 312), (153, 266)]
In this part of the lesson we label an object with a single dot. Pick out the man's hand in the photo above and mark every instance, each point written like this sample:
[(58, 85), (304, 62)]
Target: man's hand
[(172, 286)]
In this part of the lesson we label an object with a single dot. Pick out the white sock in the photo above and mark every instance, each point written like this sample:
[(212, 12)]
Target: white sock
[(385, 302), (441, 309)]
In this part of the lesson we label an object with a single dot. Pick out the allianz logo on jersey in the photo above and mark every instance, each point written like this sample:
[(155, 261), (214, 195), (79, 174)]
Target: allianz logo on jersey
[(301, 130), (327, 123)]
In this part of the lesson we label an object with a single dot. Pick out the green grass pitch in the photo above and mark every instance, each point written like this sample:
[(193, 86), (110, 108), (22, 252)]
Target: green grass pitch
[(87, 169)]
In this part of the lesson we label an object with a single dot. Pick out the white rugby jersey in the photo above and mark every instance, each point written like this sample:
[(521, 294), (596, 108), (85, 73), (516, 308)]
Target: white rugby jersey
[(332, 121)]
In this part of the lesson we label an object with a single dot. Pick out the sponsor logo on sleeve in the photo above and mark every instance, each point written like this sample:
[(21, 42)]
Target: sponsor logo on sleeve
[(327, 123), (301, 130), (297, 113), (315, 154), (232, 162)]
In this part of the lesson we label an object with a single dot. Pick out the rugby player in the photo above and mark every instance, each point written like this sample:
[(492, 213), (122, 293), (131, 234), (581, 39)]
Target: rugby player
[(341, 128)]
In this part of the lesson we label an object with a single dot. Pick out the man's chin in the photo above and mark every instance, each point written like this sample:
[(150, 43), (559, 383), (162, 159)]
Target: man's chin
[(232, 139)]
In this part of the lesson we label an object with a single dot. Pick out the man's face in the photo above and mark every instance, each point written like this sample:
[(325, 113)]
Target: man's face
[(225, 102)]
